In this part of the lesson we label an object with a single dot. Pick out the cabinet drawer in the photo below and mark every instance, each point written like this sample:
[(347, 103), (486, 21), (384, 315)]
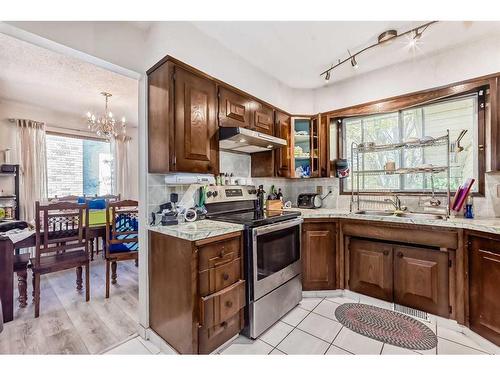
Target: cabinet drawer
[(211, 338), (218, 278), (219, 307), (218, 253)]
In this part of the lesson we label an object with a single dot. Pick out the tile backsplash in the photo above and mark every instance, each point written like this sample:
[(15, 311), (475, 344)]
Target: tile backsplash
[(240, 166)]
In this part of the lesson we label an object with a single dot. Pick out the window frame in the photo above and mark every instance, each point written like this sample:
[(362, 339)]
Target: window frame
[(482, 93), (83, 137)]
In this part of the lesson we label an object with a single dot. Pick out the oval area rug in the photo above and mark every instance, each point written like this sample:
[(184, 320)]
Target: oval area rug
[(387, 326)]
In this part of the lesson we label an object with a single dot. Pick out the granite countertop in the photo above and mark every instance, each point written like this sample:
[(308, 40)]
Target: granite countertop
[(197, 230), (490, 225)]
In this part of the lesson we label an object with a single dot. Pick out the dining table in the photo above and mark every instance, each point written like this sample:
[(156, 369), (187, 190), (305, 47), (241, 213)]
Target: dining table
[(11, 244)]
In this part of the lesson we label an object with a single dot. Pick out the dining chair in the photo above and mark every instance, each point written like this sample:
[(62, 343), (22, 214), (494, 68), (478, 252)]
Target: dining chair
[(122, 236), (94, 242), (64, 198), (61, 244)]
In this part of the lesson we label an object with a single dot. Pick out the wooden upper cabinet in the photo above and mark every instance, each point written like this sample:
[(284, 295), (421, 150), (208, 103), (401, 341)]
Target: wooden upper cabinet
[(263, 118), (370, 268), (318, 256), (196, 143), (160, 119), (320, 158), (421, 279), (484, 280), (284, 155), (324, 144), (234, 109)]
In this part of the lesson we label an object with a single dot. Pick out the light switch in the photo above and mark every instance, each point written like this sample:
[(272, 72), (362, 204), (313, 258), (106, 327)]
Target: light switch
[(319, 190)]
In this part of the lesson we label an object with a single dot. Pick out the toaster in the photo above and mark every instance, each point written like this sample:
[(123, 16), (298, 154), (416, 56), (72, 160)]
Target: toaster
[(309, 200)]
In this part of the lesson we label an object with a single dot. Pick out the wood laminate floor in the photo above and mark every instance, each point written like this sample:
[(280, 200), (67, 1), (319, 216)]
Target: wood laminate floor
[(69, 325)]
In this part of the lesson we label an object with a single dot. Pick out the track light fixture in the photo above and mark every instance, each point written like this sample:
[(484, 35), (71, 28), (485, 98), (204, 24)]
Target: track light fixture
[(354, 63), (382, 39)]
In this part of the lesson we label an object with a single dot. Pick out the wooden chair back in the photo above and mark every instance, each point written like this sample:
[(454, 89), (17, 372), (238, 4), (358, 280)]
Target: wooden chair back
[(60, 227), (122, 225), (65, 198)]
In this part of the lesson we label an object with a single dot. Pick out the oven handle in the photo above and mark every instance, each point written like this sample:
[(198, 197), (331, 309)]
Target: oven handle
[(277, 226)]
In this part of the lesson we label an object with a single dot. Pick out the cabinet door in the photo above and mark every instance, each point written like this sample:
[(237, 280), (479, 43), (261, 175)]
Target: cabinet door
[(318, 256), (370, 268), (196, 146), (484, 281), (234, 109), (160, 119), (284, 155), (324, 147), (263, 118), (421, 279)]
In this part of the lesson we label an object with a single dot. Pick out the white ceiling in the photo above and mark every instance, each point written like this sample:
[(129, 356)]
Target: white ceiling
[(297, 52), (44, 79)]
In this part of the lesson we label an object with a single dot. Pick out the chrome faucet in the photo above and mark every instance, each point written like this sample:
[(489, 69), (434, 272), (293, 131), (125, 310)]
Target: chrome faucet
[(396, 203)]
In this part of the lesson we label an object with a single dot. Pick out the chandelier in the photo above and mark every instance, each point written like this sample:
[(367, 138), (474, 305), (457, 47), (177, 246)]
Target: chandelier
[(105, 125)]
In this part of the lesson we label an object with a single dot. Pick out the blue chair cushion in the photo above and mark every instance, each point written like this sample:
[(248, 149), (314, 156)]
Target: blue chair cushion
[(97, 204), (125, 224), (94, 204)]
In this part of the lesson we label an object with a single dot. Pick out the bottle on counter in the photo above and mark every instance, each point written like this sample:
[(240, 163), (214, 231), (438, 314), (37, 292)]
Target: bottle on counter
[(226, 179), (279, 195), (469, 210)]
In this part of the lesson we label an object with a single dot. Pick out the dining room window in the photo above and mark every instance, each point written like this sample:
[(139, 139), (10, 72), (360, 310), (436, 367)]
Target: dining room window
[(78, 166), (430, 120)]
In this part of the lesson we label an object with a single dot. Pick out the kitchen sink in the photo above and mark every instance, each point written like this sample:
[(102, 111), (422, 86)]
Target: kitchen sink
[(375, 213), (414, 215)]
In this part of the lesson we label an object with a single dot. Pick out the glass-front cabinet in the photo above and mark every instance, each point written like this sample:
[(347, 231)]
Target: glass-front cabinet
[(309, 147)]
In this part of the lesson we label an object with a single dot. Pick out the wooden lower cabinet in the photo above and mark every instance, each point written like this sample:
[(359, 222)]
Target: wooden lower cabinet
[(196, 291), (416, 277), (484, 283), (318, 255), (370, 268), (421, 279)]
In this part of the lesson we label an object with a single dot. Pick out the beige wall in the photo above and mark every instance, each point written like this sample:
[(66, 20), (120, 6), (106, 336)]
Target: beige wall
[(55, 121)]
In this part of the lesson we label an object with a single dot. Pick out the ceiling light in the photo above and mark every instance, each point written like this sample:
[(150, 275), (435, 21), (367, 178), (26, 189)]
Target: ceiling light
[(387, 35), (354, 63), (327, 76), (415, 39), (104, 124)]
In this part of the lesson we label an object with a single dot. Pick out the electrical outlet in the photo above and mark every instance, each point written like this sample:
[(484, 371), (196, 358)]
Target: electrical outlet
[(319, 190)]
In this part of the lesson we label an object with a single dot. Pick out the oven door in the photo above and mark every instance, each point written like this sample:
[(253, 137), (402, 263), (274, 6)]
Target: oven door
[(276, 255)]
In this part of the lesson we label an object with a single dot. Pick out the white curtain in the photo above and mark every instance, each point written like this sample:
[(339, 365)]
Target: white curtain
[(31, 150), (121, 145)]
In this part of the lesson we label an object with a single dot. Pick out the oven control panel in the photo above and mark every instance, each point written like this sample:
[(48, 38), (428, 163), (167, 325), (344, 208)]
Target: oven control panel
[(216, 194)]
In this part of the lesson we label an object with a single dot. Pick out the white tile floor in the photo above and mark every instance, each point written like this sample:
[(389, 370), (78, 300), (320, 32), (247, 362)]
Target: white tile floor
[(311, 328)]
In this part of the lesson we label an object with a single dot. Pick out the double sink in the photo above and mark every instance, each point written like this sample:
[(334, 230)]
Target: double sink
[(411, 215)]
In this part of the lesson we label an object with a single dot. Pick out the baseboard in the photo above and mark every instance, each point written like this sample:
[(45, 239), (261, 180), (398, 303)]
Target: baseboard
[(159, 342)]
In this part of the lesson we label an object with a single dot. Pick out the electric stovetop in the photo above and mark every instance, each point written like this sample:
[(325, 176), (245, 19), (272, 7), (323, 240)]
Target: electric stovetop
[(254, 218)]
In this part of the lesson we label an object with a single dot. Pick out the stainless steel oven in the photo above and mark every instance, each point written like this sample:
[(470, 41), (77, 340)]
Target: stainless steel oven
[(276, 255), (276, 276)]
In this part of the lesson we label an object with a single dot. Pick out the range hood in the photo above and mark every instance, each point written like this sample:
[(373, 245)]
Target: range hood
[(248, 141)]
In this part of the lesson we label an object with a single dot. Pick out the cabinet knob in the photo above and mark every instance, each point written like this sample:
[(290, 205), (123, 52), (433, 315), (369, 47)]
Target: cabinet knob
[(225, 276), (386, 252), (400, 254), (222, 253), (229, 304), (223, 324)]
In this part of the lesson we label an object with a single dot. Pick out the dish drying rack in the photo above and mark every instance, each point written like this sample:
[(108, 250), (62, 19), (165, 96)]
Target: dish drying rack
[(360, 149)]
